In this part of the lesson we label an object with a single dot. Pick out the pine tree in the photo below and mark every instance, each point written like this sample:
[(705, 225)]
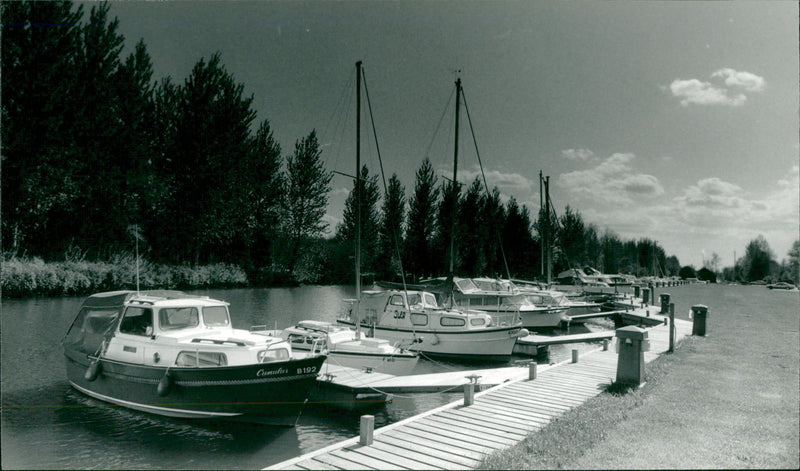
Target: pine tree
[(390, 234), (422, 221)]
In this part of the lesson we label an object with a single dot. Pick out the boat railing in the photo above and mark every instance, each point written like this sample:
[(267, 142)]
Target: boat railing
[(503, 319)]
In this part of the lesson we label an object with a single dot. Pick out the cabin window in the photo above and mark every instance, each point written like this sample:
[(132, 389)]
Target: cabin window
[(535, 299), (477, 321), (137, 321), (430, 300), (172, 318), (396, 300), (452, 322), (201, 359), (267, 356), (419, 319), (215, 316), (299, 339), (414, 299)]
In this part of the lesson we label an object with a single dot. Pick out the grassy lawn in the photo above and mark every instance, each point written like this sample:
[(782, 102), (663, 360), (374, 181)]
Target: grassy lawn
[(727, 400)]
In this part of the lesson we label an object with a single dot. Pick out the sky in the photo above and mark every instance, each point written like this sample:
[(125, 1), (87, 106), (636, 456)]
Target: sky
[(675, 121)]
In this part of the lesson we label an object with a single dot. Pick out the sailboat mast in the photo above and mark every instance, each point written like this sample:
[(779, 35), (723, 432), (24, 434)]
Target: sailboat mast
[(358, 200), (455, 176), (541, 195), (549, 247)]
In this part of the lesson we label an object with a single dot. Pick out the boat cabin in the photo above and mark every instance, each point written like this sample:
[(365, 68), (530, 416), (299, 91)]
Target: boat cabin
[(168, 328)]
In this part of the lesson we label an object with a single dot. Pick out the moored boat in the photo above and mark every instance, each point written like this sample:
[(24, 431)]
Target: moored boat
[(415, 318), (177, 355), (345, 346)]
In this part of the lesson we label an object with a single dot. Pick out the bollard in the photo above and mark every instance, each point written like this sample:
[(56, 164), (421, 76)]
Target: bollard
[(574, 355), (646, 295), (366, 428), (469, 394), (632, 342), (699, 315), (652, 293), (671, 327), (532, 370), (637, 291), (605, 345), (664, 303)]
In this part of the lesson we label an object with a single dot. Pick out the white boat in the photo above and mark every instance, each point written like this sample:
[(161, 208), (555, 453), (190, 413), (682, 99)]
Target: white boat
[(501, 299), (545, 297), (415, 318), (346, 347), (178, 355)]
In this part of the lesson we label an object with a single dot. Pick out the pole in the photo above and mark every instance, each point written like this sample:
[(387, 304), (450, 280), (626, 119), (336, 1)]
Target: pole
[(358, 200), (455, 175), (541, 251), (549, 248)]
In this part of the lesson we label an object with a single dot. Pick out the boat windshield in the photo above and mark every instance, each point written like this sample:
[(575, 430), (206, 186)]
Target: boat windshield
[(216, 316), (173, 318), (466, 285)]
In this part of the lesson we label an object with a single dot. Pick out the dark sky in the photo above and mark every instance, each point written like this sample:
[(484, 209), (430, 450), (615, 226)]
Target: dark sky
[(676, 121)]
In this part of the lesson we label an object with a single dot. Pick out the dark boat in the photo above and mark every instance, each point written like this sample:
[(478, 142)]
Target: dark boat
[(177, 355)]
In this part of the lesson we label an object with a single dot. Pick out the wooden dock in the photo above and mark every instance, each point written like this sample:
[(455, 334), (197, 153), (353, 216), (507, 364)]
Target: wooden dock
[(458, 437)]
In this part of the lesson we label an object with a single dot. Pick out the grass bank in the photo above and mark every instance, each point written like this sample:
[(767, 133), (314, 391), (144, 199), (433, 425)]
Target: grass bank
[(727, 400), (34, 277)]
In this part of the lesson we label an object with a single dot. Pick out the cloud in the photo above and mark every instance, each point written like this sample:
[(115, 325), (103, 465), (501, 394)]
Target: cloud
[(746, 80), (583, 155), (694, 91), (504, 181), (613, 181), (700, 92)]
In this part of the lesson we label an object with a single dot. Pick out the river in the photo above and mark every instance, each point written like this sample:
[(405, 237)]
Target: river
[(48, 425)]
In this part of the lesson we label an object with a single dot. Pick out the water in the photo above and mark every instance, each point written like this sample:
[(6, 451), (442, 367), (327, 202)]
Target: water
[(48, 425)]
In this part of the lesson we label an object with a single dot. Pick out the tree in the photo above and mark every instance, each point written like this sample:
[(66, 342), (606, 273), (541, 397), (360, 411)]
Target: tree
[(422, 221), (791, 266), (712, 263), (570, 235), (672, 265), (471, 255), (757, 258), (367, 186), (706, 274), (687, 272), (492, 216), (307, 196), (521, 251), (390, 235), (447, 232)]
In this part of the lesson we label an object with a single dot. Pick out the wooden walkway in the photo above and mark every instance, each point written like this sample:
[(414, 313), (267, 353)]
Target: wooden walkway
[(458, 437)]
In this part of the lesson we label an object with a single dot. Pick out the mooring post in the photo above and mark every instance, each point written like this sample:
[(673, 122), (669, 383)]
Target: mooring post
[(652, 292), (574, 355), (646, 295), (532, 370), (637, 291), (469, 394), (605, 345), (699, 315), (671, 327), (664, 303), (366, 428), (632, 342)]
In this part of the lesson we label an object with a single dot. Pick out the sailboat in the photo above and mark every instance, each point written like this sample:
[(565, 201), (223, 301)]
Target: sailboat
[(348, 346), (416, 316)]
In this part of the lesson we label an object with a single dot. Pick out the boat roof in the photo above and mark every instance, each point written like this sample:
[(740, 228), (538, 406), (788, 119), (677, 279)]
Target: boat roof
[(159, 297)]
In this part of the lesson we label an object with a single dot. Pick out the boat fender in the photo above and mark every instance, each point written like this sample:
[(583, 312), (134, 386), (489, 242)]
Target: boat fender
[(93, 371), (523, 333), (165, 384)]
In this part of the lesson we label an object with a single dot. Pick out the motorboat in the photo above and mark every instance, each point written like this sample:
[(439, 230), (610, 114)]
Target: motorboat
[(500, 298), (550, 298), (415, 318), (178, 355), (348, 347)]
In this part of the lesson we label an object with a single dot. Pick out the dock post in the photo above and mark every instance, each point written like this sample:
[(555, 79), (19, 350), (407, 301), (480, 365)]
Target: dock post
[(699, 315), (671, 327), (632, 342), (637, 291), (605, 345), (574, 355), (532, 370), (469, 394), (366, 428), (652, 292), (664, 303), (646, 295)]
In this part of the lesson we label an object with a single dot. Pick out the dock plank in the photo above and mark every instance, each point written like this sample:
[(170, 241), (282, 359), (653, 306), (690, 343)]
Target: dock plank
[(341, 463), (416, 459), (479, 429), (435, 435), (311, 463), (414, 443), (511, 421), (464, 430), (365, 460)]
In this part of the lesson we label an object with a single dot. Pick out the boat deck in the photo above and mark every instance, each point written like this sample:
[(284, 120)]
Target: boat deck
[(458, 437)]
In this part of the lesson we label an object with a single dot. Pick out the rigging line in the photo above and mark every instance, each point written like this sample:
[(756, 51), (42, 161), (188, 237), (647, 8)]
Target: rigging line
[(343, 113), (395, 236), (441, 118), (475, 142)]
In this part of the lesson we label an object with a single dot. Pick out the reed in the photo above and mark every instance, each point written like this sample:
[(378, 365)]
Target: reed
[(21, 277)]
